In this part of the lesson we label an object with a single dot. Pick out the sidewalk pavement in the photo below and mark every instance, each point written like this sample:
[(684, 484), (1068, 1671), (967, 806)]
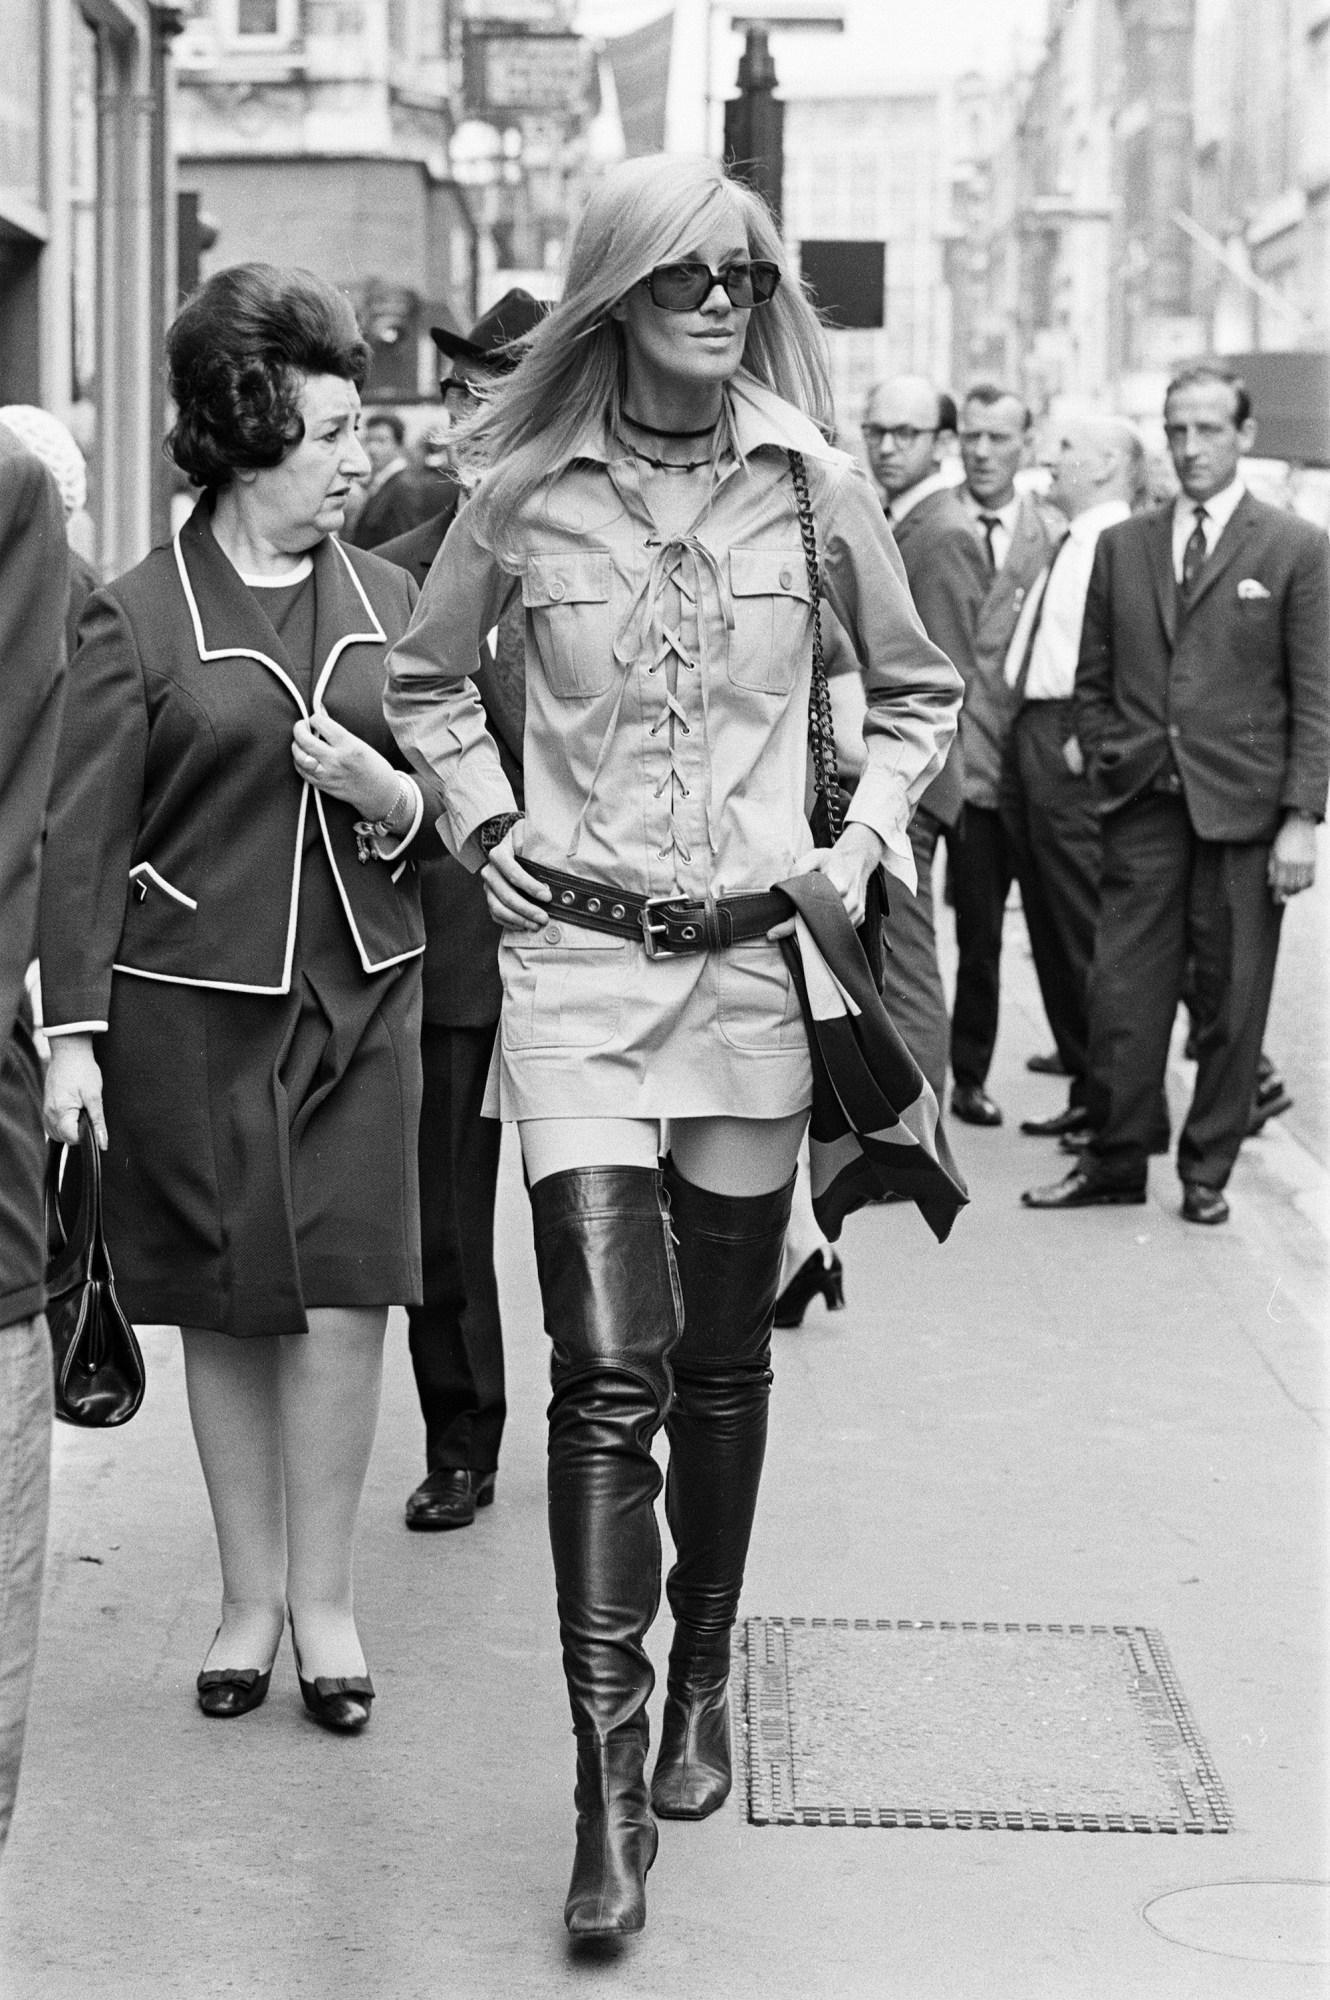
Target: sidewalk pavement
[(1104, 1417)]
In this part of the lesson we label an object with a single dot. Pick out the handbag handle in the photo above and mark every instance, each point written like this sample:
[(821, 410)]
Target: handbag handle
[(70, 1257), (821, 726)]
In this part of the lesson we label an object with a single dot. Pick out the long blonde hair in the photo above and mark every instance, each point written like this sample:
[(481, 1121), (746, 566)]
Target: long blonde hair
[(643, 213)]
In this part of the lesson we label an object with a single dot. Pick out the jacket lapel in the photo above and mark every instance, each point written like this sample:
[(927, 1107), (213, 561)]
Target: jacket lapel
[(1159, 549), (1240, 523), (343, 614), (228, 624)]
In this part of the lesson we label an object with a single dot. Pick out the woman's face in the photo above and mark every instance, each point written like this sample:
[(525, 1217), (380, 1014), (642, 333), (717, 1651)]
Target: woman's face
[(304, 498), (705, 345)]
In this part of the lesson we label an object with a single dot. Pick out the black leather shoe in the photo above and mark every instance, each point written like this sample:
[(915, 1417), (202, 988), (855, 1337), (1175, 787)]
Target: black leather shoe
[(1072, 1118), (971, 1103), (340, 1703), (232, 1691), (1049, 1065), (1076, 1142), (1203, 1204), (1268, 1104), (812, 1277), (449, 1498), (1082, 1190)]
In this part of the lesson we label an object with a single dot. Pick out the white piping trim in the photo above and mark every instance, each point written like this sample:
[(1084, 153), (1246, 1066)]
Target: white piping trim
[(75, 1028), (348, 638), (178, 979), (146, 868), (230, 652)]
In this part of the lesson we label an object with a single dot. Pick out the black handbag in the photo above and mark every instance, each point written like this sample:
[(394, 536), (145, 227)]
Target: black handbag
[(99, 1379), (829, 796)]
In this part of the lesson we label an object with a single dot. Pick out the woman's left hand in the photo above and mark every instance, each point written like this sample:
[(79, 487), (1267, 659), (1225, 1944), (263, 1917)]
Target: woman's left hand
[(335, 761), (847, 866)]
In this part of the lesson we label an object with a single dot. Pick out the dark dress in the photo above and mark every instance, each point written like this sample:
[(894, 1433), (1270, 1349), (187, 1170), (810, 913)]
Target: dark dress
[(304, 1107)]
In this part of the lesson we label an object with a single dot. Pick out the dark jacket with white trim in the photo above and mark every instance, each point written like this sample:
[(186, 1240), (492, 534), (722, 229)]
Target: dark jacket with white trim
[(177, 817)]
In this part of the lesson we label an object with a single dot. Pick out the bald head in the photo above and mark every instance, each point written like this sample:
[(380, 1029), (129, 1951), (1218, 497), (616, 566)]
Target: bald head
[(1093, 460), (905, 420)]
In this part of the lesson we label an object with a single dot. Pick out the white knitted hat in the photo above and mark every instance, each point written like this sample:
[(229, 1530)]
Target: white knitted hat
[(53, 443)]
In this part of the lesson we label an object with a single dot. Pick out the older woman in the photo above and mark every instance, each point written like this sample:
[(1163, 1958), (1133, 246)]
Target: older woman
[(658, 475), (230, 949)]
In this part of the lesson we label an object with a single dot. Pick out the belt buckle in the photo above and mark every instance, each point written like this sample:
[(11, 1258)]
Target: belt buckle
[(650, 931)]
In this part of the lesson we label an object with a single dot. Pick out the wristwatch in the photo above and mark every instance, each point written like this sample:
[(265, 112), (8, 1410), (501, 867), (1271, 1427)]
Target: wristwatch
[(491, 831)]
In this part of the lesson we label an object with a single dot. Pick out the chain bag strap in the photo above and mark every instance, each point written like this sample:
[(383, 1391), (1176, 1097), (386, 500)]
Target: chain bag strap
[(827, 816)]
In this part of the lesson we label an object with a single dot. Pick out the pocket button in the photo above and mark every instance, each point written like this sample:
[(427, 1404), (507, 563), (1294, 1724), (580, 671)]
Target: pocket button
[(786, 579), (557, 588), (552, 934)]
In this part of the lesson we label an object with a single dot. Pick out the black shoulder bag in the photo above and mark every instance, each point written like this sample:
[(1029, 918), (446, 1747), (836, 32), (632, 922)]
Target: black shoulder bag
[(830, 799), (99, 1380)]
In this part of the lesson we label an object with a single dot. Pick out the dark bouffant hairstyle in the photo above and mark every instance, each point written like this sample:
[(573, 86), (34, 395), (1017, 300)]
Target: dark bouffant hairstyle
[(235, 354)]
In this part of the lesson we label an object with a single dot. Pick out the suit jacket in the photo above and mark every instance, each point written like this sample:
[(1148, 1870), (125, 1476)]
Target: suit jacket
[(462, 985), (33, 571), (401, 503), (947, 571), (1234, 683), (177, 823), (988, 713)]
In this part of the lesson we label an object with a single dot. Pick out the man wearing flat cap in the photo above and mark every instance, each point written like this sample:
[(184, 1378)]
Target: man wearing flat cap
[(456, 1337)]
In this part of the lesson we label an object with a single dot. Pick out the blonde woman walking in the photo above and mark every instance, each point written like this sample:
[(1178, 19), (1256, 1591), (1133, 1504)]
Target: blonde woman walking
[(647, 457)]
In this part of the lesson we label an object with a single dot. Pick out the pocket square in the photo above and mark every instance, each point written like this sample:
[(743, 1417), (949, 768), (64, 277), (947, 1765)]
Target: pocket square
[(1252, 587)]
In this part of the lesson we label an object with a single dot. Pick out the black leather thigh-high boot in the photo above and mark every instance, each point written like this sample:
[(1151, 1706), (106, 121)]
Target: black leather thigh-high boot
[(611, 1302), (728, 1249)]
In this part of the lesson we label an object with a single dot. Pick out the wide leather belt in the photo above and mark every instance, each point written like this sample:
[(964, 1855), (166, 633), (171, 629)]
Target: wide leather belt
[(665, 925)]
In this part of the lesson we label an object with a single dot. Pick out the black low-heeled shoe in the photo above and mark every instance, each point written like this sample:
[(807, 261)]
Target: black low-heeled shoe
[(230, 1691), (341, 1703), (813, 1276)]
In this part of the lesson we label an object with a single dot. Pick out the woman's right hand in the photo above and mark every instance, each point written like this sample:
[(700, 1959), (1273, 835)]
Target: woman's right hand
[(73, 1083), (517, 900)]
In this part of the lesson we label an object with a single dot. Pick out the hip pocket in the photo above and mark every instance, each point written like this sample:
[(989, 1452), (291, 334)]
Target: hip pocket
[(757, 1005), (562, 988), (771, 618), (567, 598)]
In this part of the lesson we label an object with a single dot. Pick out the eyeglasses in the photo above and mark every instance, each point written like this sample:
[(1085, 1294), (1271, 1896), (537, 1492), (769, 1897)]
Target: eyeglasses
[(681, 288), (901, 435)]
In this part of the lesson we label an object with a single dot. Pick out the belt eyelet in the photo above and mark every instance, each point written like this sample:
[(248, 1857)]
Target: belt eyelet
[(617, 912), (593, 905), (567, 898)]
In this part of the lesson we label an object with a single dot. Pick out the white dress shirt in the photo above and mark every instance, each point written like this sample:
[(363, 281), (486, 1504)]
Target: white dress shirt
[(1218, 513), (932, 482), (1061, 591), (1004, 519)]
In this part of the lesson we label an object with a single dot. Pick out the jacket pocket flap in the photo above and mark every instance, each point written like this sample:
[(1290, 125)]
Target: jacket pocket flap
[(566, 579), (769, 573), (558, 934)]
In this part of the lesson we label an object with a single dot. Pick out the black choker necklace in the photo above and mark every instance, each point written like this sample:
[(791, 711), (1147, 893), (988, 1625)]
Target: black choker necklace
[(653, 431)]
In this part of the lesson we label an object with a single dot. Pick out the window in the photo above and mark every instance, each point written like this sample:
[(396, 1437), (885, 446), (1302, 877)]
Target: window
[(257, 17)]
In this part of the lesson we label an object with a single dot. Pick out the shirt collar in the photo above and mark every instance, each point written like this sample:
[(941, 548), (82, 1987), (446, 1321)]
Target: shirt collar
[(761, 419), (1220, 507), (1006, 515), (901, 505), (1088, 526)]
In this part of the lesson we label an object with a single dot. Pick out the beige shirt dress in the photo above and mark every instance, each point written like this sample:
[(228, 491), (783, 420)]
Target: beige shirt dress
[(668, 665)]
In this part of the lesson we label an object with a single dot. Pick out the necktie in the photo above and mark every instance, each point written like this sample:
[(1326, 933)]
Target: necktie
[(1023, 673), (988, 522), (1193, 556)]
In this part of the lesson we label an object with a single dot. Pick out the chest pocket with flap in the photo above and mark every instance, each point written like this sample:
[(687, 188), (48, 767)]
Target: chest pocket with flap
[(771, 620), (568, 599)]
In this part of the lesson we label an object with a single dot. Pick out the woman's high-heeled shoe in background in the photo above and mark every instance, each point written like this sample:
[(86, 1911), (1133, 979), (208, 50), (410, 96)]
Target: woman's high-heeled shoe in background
[(339, 1702), (226, 1692), (813, 1276)]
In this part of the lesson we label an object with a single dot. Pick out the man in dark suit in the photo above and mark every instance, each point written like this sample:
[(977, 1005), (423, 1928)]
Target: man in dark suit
[(1203, 709), (1017, 542), (32, 660), (907, 422), (400, 497), (456, 1336)]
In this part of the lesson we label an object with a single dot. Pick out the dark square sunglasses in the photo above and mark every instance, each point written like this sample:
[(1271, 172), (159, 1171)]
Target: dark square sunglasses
[(681, 288)]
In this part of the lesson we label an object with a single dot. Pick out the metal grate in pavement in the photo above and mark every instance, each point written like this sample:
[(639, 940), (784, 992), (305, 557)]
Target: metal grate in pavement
[(1043, 1728)]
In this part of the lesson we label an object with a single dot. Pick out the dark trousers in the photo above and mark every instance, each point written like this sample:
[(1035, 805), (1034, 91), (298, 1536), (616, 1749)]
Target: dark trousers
[(456, 1339), (980, 866), (1168, 896), (1053, 838), (911, 982)]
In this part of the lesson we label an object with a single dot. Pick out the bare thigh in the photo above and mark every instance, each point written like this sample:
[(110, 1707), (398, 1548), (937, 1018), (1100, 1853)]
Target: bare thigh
[(741, 1156)]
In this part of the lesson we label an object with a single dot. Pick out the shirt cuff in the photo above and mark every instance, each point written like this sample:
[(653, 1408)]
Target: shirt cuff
[(386, 852), (881, 803), (75, 1028)]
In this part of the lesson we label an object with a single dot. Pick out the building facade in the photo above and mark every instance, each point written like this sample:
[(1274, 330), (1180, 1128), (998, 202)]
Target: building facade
[(87, 275)]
